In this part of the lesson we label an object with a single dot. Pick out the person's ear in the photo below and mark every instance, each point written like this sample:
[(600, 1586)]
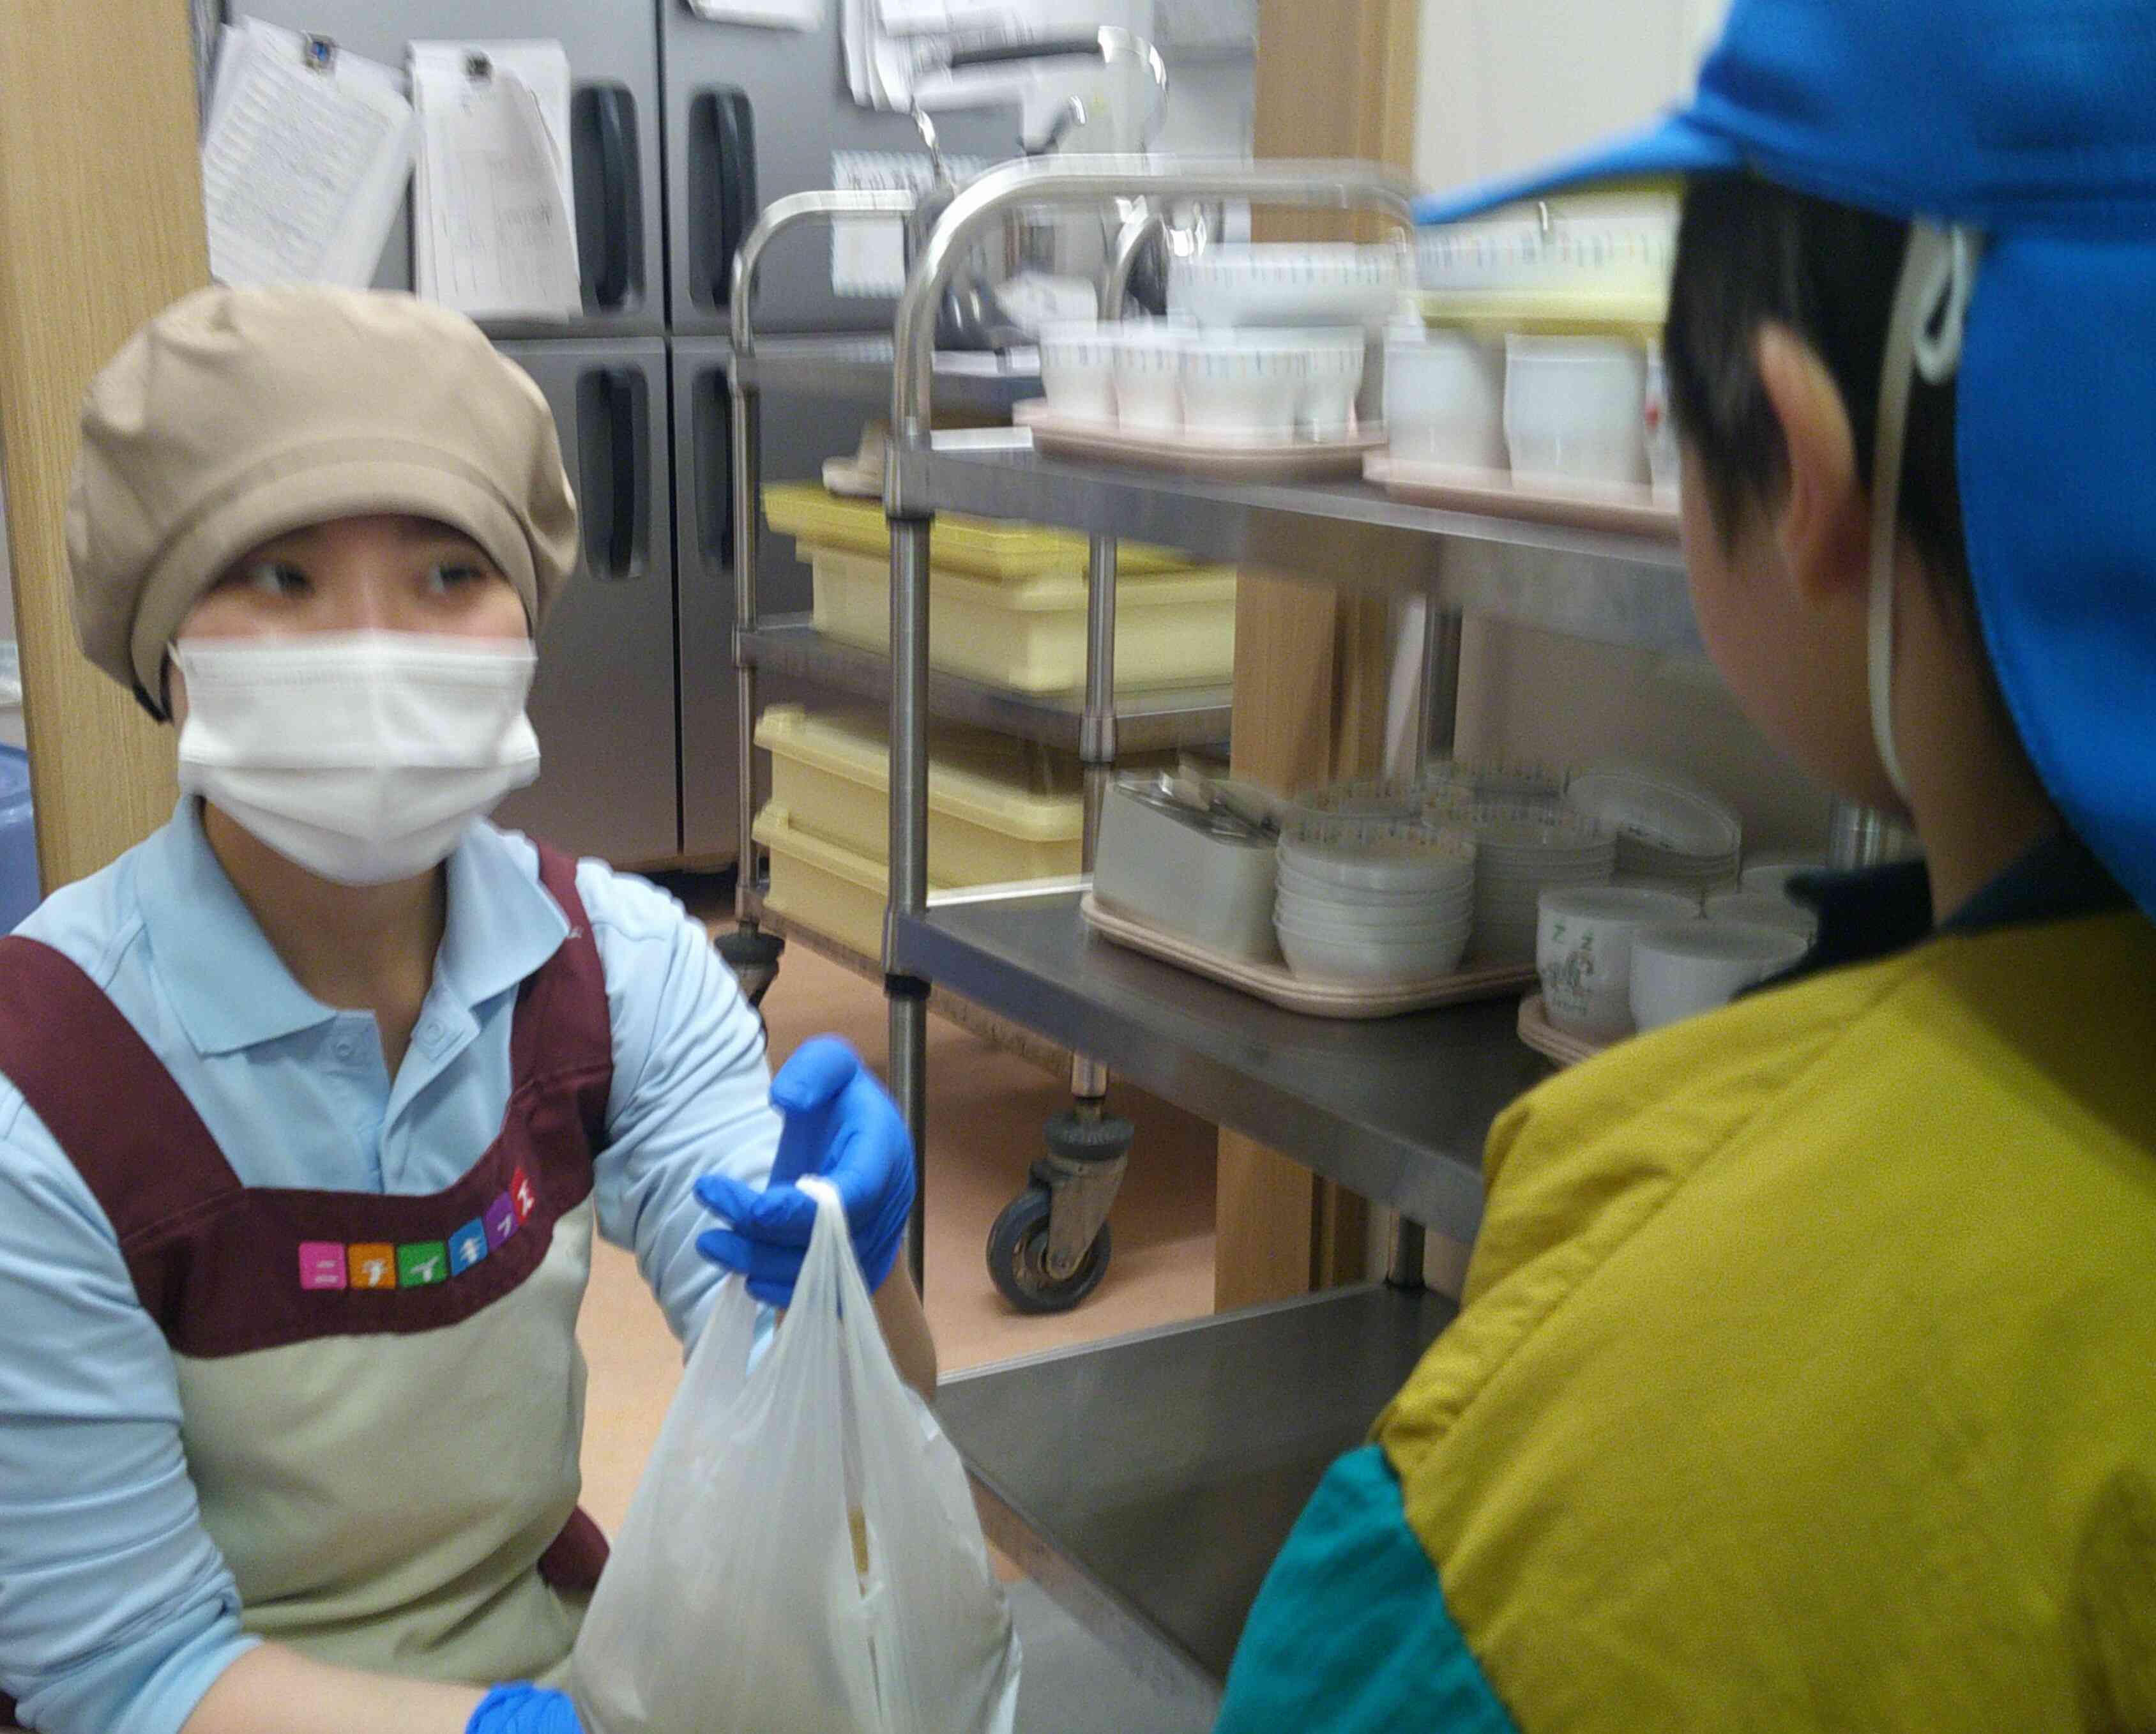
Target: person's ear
[(1822, 525)]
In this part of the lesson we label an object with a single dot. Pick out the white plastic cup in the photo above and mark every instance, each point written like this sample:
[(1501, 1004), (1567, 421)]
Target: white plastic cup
[(1242, 387), (1681, 970), (1149, 376), (1575, 410), (1764, 909), (1078, 371), (1583, 952), (1444, 400)]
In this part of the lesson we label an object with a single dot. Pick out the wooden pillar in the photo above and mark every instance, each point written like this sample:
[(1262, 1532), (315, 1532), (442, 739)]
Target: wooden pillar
[(100, 225), (1311, 663)]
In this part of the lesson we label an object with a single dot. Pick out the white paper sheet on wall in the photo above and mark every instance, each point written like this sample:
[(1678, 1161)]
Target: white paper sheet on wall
[(493, 213), (304, 160), (868, 254)]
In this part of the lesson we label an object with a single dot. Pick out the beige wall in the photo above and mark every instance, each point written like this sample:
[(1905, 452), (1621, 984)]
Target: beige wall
[(1505, 84)]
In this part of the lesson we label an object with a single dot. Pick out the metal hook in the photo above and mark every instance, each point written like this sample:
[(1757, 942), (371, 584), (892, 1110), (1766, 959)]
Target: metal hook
[(318, 53), (478, 68), (1543, 216)]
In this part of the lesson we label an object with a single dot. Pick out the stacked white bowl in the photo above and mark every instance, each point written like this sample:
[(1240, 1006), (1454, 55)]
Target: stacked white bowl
[(1372, 902), (1668, 829), (1523, 848), (1289, 284), (1255, 387)]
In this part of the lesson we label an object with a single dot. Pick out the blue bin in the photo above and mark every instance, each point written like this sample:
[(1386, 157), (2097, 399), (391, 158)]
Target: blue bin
[(18, 839)]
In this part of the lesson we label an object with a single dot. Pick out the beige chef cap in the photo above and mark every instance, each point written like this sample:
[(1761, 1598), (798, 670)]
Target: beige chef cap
[(237, 415)]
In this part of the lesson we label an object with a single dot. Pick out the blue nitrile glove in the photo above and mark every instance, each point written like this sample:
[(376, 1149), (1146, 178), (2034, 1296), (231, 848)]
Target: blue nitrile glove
[(522, 1709), (840, 1124)]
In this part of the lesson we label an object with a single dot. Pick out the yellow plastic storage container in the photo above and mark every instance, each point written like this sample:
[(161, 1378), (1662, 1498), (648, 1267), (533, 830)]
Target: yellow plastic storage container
[(973, 547), (818, 886), (1029, 634), (998, 811)]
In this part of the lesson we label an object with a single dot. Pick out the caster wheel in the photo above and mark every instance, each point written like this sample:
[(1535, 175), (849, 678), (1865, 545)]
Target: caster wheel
[(753, 956), (1018, 1253), (1075, 1138)]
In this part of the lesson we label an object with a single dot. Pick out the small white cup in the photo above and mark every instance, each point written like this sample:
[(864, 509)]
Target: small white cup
[(1583, 952), (1683, 969), (1333, 360), (1078, 371), (1243, 387), (1772, 874), (1764, 909), (1444, 400), (1149, 376), (1575, 410)]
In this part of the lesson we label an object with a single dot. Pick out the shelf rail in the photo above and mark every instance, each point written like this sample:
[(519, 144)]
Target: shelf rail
[(979, 209)]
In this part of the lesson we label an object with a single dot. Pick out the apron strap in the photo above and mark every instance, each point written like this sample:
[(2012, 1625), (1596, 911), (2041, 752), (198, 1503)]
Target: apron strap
[(106, 1098), (563, 1025)]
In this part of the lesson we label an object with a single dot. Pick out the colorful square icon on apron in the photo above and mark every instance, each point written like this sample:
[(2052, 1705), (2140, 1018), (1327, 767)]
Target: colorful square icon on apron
[(527, 1200), (501, 1221), (322, 1264), (420, 1265), (467, 1246), (373, 1266)]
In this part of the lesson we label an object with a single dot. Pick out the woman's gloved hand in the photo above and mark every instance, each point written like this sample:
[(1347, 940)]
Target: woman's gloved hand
[(523, 1709), (842, 1125)]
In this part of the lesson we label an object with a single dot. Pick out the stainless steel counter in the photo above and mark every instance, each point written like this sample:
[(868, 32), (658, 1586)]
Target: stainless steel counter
[(1397, 1109), (1147, 1482)]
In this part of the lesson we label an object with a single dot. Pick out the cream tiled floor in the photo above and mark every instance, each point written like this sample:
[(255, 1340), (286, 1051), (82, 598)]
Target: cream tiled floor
[(985, 1109)]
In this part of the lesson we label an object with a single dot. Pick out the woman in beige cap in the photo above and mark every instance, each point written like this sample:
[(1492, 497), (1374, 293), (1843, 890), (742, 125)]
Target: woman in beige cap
[(310, 1103)]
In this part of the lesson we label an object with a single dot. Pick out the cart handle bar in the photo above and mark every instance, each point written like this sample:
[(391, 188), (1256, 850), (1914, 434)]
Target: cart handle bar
[(831, 205)]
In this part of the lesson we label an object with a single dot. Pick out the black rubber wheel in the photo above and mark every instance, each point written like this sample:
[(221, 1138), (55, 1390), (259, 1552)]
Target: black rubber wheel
[(1018, 1252), (753, 958), (1072, 1135)]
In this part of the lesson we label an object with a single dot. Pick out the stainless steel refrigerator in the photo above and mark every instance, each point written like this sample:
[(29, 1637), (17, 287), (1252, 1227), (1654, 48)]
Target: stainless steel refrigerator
[(680, 128)]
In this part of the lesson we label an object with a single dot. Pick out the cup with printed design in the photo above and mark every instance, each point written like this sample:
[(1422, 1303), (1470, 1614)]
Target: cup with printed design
[(1583, 952)]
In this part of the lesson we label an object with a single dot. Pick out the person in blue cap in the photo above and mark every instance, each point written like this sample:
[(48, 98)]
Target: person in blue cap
[(1804, 1379)]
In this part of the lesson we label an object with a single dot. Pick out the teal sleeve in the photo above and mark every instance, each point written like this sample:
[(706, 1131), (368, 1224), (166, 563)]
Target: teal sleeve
[(1350, 1633)]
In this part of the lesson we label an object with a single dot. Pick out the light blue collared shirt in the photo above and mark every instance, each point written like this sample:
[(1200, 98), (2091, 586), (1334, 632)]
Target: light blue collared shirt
[(116, 1610)]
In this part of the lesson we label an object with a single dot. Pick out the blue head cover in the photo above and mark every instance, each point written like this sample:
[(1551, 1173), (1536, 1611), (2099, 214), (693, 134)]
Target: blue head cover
[(2034, 122)]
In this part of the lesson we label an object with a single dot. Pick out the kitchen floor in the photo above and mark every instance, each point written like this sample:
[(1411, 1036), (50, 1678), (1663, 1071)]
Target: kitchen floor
[(985, 1110)]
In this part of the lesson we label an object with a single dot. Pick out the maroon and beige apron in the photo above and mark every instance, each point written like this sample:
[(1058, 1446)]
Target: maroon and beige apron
[(381, 1396)]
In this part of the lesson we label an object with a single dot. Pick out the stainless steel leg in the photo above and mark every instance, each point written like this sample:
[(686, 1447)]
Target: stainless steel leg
[(1437, 705), (908, 995), (749, 515), (1862, 837)]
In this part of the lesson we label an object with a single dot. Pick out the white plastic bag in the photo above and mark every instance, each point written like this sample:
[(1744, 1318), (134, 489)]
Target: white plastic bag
[(735, 1601)]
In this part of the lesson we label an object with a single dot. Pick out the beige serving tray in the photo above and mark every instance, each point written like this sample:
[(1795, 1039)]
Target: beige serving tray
[(1634, 511), (1547, 1040), (1191, 454), (1275, 983)]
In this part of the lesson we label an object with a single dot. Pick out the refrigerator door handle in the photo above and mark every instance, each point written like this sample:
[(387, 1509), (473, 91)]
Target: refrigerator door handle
[(735, 124), (616, 559), (710, 411), (611, 289)]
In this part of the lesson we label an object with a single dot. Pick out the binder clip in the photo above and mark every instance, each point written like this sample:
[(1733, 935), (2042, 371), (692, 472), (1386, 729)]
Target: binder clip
[(319, 53), (478, 68)]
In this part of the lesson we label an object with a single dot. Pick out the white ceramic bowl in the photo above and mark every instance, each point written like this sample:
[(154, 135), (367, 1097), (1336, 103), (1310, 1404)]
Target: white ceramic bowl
[(1575, 410), (1376, 856), (1583, 952), (1662, 811), (1372, 962), (1078, 371), (1444, 400), (1314, 910), (1288, 284), (1288, 882), (1148, 375), (1762, 908), (1388, 798), (1688, 968), (1772, 874), (1621, 244), (1242, 387)]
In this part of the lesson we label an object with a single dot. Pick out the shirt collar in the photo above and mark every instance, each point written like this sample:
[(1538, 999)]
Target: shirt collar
[(1875, 912), (230, 988)]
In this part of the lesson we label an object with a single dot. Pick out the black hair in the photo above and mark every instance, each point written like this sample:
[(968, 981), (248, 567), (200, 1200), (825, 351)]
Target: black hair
[(1750, 253)]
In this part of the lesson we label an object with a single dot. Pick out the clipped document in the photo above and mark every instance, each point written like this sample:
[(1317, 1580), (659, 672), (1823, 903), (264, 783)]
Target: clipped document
[(494, 228), (304, 160), (868, 254)]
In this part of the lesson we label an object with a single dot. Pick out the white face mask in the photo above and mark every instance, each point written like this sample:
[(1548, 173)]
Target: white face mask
[(364, 756)]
